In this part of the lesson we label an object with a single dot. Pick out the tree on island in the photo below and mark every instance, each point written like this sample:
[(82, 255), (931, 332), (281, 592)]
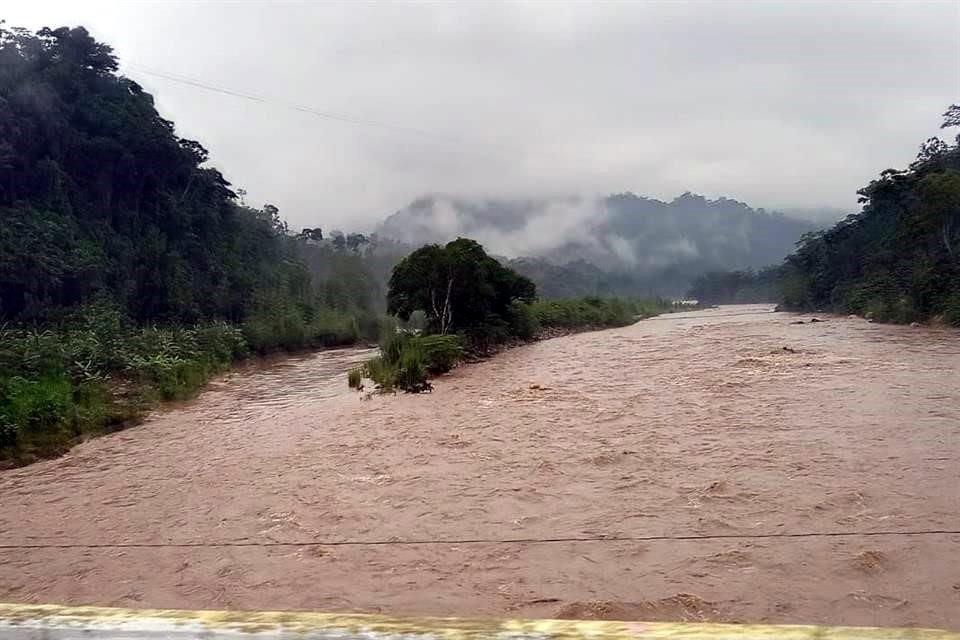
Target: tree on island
[(458, 286)]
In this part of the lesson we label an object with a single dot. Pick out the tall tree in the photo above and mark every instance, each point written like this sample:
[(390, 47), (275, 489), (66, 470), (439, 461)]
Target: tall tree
[(458, 286)]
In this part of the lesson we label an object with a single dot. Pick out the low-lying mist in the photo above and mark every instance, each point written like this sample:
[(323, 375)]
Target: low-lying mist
[(622, 232)]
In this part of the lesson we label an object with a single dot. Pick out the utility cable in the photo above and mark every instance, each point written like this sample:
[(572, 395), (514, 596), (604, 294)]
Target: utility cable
[(478, 541), (340, 117)]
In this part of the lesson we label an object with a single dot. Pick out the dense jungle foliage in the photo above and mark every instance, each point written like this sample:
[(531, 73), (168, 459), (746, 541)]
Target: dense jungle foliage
[(898, 259)]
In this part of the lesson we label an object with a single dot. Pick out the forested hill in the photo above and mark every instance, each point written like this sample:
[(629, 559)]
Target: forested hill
[(899, 258), (623, 243), (101, 203), (619, 231), (98, 195)]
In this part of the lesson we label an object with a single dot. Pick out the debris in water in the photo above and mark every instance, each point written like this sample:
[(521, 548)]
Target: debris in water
[(542, 601), (869, 561), (716, 486)]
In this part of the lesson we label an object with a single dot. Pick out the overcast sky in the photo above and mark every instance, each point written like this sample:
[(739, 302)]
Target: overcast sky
[(778, 104)]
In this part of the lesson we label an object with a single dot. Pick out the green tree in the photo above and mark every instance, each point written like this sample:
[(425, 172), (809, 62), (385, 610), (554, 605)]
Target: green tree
[(458, 286)]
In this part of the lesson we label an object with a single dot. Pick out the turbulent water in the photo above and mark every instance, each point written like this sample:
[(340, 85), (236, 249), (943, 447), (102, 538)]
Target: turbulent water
[(666, 471)]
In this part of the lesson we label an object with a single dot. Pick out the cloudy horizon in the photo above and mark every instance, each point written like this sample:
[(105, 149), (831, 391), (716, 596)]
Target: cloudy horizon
[(779, 105)]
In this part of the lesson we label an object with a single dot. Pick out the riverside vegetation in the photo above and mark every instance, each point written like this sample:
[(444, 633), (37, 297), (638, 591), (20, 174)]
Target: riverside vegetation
[(408, 359), (897, 260), (469, 303), (130, 271)]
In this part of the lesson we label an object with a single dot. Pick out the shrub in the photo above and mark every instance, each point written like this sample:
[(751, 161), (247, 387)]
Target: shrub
[(382, 373), (439, 353), (355, 378), (494, 330), (523, 322), (35, 412), (31, 353), (951, 311), (392, 345), (591, 311), (258, 333), (221, 342), (276, 327), (412, 370), (406, 359)]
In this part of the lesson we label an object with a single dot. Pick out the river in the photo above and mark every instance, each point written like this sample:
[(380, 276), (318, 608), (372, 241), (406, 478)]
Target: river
[(671, 470)]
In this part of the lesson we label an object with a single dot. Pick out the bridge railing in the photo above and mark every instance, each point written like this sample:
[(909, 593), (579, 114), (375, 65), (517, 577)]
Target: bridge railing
[(51, 622)]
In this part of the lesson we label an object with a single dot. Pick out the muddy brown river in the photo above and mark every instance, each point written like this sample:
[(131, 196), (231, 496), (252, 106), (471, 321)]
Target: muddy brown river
[(684, 468)]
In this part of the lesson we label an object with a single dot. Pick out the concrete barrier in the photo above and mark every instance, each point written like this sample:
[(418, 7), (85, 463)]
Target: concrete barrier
[(51, 622)]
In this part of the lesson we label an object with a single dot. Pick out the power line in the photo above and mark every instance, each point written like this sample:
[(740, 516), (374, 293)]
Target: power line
[(339, 117), (471, 541)]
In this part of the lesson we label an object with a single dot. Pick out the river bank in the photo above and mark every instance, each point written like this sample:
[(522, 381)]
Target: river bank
[(705, 432), (59, 388)]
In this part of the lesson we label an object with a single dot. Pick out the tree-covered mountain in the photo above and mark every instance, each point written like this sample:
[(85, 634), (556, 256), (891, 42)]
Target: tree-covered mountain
[(98, 195), (101, 201), (620, 244), (898, 259)]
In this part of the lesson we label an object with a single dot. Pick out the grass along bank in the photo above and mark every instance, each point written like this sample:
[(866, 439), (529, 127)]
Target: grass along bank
[(595, 313), (96, 372), (407, 359)]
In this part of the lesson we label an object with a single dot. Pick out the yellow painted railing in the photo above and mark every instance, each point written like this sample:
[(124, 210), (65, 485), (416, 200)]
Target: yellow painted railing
[(51, 622)]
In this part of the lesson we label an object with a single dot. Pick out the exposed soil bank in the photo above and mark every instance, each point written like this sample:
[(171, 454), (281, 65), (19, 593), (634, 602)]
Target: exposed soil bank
[(691, 424)]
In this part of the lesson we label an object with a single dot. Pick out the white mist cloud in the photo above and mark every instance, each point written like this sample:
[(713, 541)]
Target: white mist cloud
[(560, 230), (549, 226)]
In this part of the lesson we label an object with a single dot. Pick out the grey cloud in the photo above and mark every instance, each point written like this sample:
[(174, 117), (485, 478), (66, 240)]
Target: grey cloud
[(779, 104)]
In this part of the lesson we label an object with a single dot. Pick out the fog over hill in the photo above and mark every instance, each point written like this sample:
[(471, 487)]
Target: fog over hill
[(646, 245)]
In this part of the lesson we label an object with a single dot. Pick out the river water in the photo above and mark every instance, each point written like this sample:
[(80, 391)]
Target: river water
[(725, 435)]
